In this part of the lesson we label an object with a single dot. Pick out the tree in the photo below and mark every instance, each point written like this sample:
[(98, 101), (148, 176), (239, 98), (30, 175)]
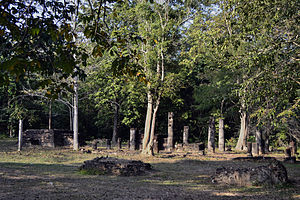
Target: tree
[(32, 40), (159, 25), (247, 39)]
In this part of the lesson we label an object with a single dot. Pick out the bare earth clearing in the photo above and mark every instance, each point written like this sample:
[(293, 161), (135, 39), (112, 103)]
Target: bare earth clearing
[(39, 173)]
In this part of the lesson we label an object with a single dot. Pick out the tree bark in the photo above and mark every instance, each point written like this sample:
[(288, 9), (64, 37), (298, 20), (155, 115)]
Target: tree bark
[(147, 123), (148, 140), (11, 134), (20, 139), (71, 118), (75, 117), (221, 135), (241, 144), (115, 128), (170, 131), (211, 135)]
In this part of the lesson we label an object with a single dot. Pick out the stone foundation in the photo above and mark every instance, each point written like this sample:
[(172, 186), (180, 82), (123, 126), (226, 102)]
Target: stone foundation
[(47, 138), (273, 173), (115, 166)]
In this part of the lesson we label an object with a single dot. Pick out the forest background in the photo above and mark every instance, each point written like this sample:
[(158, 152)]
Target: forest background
[(126, 64)]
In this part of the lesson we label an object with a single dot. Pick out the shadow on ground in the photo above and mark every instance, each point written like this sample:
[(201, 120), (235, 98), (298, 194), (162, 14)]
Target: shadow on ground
[(181, 179)]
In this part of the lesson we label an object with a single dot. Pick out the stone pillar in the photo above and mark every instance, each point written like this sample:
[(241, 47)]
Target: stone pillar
[(293, 146), (185, 135), (255, 148), (259, 142), (119, 142), (20, 139), (155, 145), (170, 131), (288, 157), (108, 144), (141, 137), (249, 149), (211, 135), (221, 135), (287, 152), (94, 145), (132, 139), (201, 148)]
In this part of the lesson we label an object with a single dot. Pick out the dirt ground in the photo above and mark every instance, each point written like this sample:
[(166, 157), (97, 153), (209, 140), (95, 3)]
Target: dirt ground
[(41, 173)]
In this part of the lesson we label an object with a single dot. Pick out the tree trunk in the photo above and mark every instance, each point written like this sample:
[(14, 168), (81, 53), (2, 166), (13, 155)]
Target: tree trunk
[(50, 114), (11, 134), (71, 118), (75, 117), (211, 135), (241, 144), (170, 131), (148, 140), (115, 128), (221, 135), (147, 123), (20, 139)]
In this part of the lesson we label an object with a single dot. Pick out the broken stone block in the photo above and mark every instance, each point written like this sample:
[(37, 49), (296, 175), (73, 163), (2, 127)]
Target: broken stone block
[(273, 173), (114, 166)]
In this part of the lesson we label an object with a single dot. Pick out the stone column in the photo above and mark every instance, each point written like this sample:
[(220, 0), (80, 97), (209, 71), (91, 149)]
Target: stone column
[(288, 157), (119, 141), (249, 149), (287, 153), (259, 142), (94, 145), (108, 144), (155, 145), (170, 131), (20, 139), (255, 148), (185, 135), (141, 137), (293, 146), (221, 135), (132, 139), (211, 135)]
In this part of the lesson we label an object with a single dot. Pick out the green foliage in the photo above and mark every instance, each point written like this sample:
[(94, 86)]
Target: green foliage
[(231, 142), (33, 42)]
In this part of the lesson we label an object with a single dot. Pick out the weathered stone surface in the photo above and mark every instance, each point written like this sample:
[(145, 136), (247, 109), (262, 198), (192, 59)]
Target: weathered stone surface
[(273, 173), (47, 137), (115, 166)]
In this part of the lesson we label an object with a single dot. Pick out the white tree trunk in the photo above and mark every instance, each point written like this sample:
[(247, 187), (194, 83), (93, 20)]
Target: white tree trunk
[(20, 139), (241, 144), (71, 118), (147, 123), (115, 128), (75, 117), (211, 135), (221, 135), (148, 140)]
